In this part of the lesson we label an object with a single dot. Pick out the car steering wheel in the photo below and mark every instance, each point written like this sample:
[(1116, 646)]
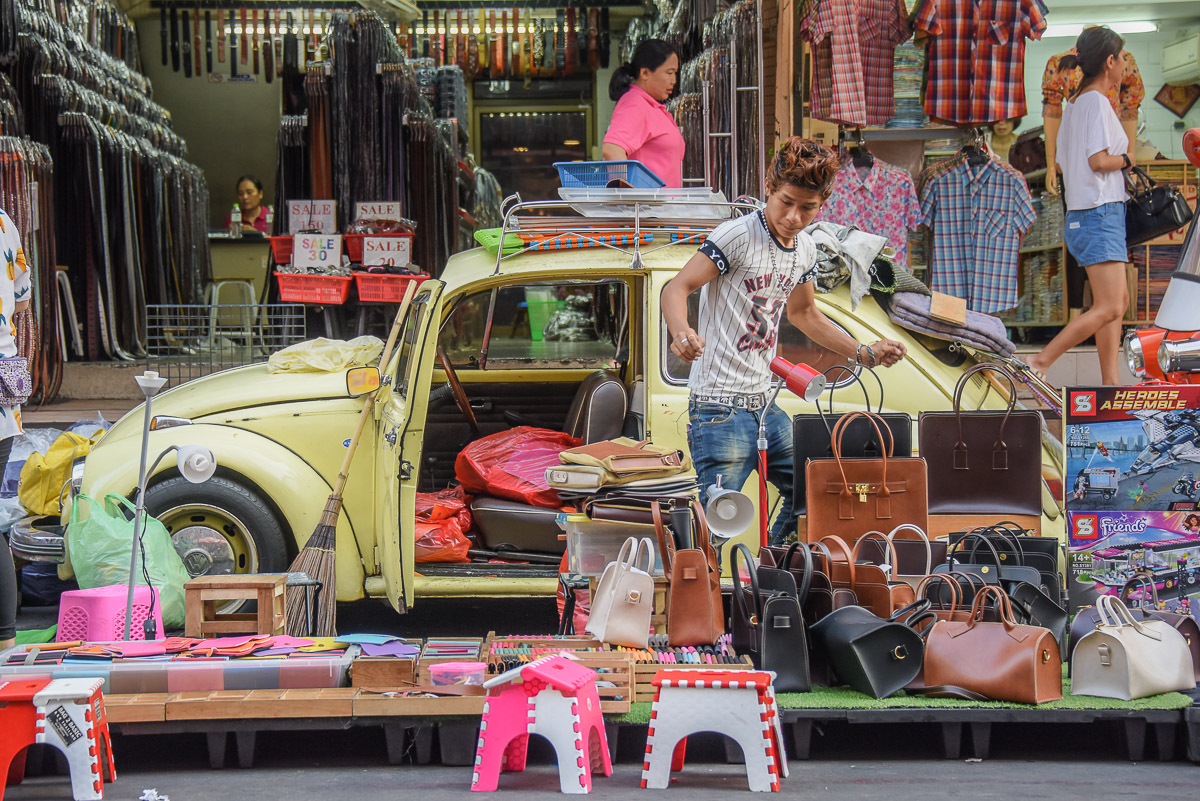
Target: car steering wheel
[(460, 394)]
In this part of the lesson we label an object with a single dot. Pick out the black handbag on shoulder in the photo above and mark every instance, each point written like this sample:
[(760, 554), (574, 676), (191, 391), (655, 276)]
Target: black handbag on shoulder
[(1152, 210)]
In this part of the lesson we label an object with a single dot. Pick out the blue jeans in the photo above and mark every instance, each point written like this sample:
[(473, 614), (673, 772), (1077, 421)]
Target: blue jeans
[(724, 441)]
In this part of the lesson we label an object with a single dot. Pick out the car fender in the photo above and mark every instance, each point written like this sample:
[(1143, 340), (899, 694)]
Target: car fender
[(296, 489)]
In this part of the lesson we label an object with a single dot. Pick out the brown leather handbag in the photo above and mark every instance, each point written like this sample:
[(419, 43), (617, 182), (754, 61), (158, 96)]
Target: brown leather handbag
[(695, 614), (983, 462), (810, 570), (1004, 661), (849, 497), (868, 582)]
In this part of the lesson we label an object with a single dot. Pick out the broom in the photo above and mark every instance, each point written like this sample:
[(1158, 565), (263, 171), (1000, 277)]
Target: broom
[(317, 557)]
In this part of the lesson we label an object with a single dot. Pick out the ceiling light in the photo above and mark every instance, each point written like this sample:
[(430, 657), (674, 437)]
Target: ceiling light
[(520, 150), (571, 142), (1076, 28)]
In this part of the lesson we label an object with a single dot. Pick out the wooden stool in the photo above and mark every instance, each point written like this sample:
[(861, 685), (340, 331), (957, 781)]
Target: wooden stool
[(204, 593)]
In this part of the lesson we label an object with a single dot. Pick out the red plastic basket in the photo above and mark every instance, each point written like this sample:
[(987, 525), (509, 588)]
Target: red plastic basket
[(281, 249), (332, 290), (354, 243), (383, 287)]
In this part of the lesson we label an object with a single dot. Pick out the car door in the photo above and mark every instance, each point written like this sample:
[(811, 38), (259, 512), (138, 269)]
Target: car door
[(400, 428)]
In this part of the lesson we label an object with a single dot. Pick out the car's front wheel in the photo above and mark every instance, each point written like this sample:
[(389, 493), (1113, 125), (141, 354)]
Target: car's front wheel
[(219, 526)]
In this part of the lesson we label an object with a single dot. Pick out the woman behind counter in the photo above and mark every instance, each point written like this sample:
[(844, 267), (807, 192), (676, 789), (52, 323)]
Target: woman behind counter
[(255, 216), (642, 129)]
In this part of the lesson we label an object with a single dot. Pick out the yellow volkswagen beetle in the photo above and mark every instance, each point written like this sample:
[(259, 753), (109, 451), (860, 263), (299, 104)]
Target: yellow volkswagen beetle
[(532, 338)]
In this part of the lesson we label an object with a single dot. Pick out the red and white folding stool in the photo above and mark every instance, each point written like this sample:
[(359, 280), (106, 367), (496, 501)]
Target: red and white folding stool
[(66, 713), (737, 703), (556, 698)]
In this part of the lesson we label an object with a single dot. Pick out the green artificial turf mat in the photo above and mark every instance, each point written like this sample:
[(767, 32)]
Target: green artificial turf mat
[(33, 636)]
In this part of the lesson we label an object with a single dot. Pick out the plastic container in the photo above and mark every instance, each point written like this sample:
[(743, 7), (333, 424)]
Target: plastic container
[(687, 204), (354, 243), (592, 544), (383, 287), (331, 290), (281, 249), (443, 674), (597, 174)]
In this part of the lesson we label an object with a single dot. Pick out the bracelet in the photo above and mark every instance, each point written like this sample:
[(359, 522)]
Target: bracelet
[(858, 356)]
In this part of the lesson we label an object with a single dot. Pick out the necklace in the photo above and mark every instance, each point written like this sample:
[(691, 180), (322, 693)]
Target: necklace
[(772, 245)]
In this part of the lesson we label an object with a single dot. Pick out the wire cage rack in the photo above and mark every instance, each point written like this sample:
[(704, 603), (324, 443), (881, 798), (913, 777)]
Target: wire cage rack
[(189, 341)]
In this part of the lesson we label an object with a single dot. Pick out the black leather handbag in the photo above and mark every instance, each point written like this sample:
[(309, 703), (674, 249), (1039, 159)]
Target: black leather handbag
[(991, 560), (766, 623), (812, 437), (1041, 553), (1152, 210), (874, 656)]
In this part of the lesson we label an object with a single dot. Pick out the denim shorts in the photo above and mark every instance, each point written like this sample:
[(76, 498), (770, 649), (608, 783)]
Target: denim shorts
[(1097, 235)]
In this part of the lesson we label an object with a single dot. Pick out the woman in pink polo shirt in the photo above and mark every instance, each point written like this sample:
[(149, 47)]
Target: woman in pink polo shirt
[(642, 129)]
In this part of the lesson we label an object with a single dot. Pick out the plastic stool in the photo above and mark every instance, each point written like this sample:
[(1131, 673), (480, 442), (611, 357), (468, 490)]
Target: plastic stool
[(18, 723), (98, 615), (555, 698), (244, 304), (736, 703), (71, 718)]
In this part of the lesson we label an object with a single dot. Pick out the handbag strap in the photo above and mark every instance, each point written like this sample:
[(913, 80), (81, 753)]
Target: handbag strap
[(806, 579), (945, 579), (703, 539), (1114, 607), (889, 549), (666, 545), (986, 367), (976, 537), (739, 595), (839, 430), (921, 535), (644, 548), (1003, 607), (992, 534), (840, 544), (626, 552), (1139, 180), (844, 370)]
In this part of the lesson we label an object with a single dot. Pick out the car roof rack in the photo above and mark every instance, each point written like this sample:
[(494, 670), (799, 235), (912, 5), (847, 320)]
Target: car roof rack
[(595, 229)]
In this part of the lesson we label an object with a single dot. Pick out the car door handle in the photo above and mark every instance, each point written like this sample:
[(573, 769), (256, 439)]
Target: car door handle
[(390, 437), (481, 405)]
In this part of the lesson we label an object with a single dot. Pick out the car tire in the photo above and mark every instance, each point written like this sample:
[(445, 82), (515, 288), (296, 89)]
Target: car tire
[(195, 514)]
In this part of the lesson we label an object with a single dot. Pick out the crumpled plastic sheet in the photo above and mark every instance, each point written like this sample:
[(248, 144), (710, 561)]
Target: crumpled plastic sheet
[(323, 355)]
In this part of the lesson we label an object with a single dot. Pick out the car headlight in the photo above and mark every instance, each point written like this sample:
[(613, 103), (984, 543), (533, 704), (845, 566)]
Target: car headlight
[(166, 421), (1134, 354), (1179, 355)]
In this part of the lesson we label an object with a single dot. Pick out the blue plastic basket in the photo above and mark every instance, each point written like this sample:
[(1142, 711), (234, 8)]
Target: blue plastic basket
[(597, 174)]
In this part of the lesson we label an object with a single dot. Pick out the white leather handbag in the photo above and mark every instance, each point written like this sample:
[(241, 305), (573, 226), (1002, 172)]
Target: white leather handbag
[(914, 579), (1126, 658), (624, 598)]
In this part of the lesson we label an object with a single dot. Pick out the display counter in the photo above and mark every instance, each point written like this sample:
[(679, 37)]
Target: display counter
[(245, 258)]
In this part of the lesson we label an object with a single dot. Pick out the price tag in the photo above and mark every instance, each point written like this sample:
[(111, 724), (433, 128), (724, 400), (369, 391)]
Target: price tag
[(390, 251), (312, 215), (316, 250), (377, 211)]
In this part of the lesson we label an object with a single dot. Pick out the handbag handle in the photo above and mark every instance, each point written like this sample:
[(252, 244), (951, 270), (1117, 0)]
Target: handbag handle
[(644, 547), (889, 549), (703, 539), (739, 594), (1139, 180), (977, 583), (975, 537), (889, 445), (1003, 607), (921, 534), (941, 578), (806, 579), (1139, 581), (841, 545), (845, 370), (626, 552), (666, 545), (1121, 616), (999, 446), (1002, 535), (839, 430)]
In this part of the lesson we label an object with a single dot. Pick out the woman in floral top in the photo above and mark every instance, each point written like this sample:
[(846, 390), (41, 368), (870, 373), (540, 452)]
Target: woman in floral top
[(14, 297)]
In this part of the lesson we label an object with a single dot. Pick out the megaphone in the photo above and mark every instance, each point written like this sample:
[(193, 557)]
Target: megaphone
[(196, 463), (728, 511)]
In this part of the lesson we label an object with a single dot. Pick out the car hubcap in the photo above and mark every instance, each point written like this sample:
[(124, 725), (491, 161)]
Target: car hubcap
[(211, 541)]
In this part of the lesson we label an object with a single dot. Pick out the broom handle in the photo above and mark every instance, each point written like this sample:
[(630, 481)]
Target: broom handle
[(365, 414)]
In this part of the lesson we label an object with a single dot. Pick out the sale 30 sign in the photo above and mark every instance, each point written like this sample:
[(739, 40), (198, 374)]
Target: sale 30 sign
[(311, 251)]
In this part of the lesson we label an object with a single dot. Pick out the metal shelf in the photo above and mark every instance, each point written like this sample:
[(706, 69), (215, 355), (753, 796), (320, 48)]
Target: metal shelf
[(1040, 249), (912, 134)]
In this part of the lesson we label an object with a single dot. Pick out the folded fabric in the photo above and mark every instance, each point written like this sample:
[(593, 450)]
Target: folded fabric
[(624, 459), (911, 310), (845, 253)]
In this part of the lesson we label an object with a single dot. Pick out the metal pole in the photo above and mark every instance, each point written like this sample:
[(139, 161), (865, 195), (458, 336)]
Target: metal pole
[(708, 177), (137, 521), (762, 111), (735, 187)]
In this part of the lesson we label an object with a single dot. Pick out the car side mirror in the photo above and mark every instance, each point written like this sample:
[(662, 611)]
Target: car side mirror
[(362, 381)]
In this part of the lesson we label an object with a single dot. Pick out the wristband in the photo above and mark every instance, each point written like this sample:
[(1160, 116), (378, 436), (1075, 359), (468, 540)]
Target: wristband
[(1128, 163)]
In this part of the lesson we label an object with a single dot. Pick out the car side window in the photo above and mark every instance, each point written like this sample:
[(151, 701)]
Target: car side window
[(575, 324), (794, 345)]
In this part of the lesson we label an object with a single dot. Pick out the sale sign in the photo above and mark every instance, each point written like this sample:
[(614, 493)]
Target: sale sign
[(378, 210), (316, 250), (388, 251), (312, 215)]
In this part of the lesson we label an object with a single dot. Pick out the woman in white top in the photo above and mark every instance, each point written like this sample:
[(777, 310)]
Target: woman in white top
[(1093, 152)]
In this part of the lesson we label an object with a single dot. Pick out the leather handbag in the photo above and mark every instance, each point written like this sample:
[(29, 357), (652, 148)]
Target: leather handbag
[(695, 614), (983, 462), (1127, 658), (1004, 661), (915, 554), (818, 597), (766, 623), (849, 497), (1032, 606), (1028, 153), (1041, 553), (624, 599), (988, 564), (944, 592), (812, 437), (1152, 210), (1088, 618), (873, 655), (868, 582)]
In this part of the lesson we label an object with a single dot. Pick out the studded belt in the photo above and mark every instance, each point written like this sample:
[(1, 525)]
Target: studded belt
[(738, 401)]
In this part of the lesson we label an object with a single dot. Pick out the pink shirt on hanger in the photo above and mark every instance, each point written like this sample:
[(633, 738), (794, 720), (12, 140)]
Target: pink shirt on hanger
[(646, 131)]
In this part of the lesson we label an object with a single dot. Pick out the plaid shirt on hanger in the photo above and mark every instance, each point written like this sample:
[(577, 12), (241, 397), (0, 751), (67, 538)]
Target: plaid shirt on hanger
[(978, 215), (854, 45), (976, 57)]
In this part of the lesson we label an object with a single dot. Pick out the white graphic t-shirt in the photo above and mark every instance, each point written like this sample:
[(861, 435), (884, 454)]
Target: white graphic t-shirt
[(740, 309)]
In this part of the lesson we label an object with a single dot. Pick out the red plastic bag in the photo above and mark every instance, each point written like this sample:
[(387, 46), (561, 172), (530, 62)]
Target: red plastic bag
[(512, 464), (442, 523)]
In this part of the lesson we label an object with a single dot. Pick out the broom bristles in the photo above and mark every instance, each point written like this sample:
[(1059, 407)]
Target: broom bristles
[(317, 560)]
